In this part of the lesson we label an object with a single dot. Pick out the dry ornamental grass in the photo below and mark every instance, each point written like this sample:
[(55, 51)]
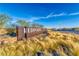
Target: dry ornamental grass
[(55, 44)]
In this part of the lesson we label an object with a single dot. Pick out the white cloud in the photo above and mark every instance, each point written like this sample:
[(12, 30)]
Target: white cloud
[(46, 17), (76, 13), (55, 15), (50, 15)]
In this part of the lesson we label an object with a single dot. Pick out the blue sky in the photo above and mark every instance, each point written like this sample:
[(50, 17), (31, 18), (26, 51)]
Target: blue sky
[(52, 15)]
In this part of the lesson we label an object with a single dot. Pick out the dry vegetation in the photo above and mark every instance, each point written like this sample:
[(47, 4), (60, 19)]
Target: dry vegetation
[(2, 31), (55, 44)]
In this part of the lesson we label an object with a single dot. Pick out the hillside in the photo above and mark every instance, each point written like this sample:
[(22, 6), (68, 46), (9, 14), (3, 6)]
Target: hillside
[(69, 29), (55, 44)]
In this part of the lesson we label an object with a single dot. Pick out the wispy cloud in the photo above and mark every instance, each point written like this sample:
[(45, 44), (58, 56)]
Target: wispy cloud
[(76, 13), (53, 15), (50, 15), (46, 17)]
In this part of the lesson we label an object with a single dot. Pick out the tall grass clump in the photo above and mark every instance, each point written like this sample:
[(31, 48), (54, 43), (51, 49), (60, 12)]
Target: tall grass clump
[(54, 44)]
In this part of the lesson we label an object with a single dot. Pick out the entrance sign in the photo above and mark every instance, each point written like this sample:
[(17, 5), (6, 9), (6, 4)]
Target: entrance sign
[(28, 32)]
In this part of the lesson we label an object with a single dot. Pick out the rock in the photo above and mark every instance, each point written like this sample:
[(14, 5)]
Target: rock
[(39, 53), (54, 53)]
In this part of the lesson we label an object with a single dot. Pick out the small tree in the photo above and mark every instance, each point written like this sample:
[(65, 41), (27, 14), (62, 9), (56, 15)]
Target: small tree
[(37, 25), (22, 23), (3, 20)]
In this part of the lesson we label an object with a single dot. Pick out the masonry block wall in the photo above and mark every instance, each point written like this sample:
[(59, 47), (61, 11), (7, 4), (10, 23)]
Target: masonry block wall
[(27, 32)]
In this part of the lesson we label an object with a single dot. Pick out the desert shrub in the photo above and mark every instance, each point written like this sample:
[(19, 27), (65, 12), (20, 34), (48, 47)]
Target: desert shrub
[(54, 44), (11, 31)]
